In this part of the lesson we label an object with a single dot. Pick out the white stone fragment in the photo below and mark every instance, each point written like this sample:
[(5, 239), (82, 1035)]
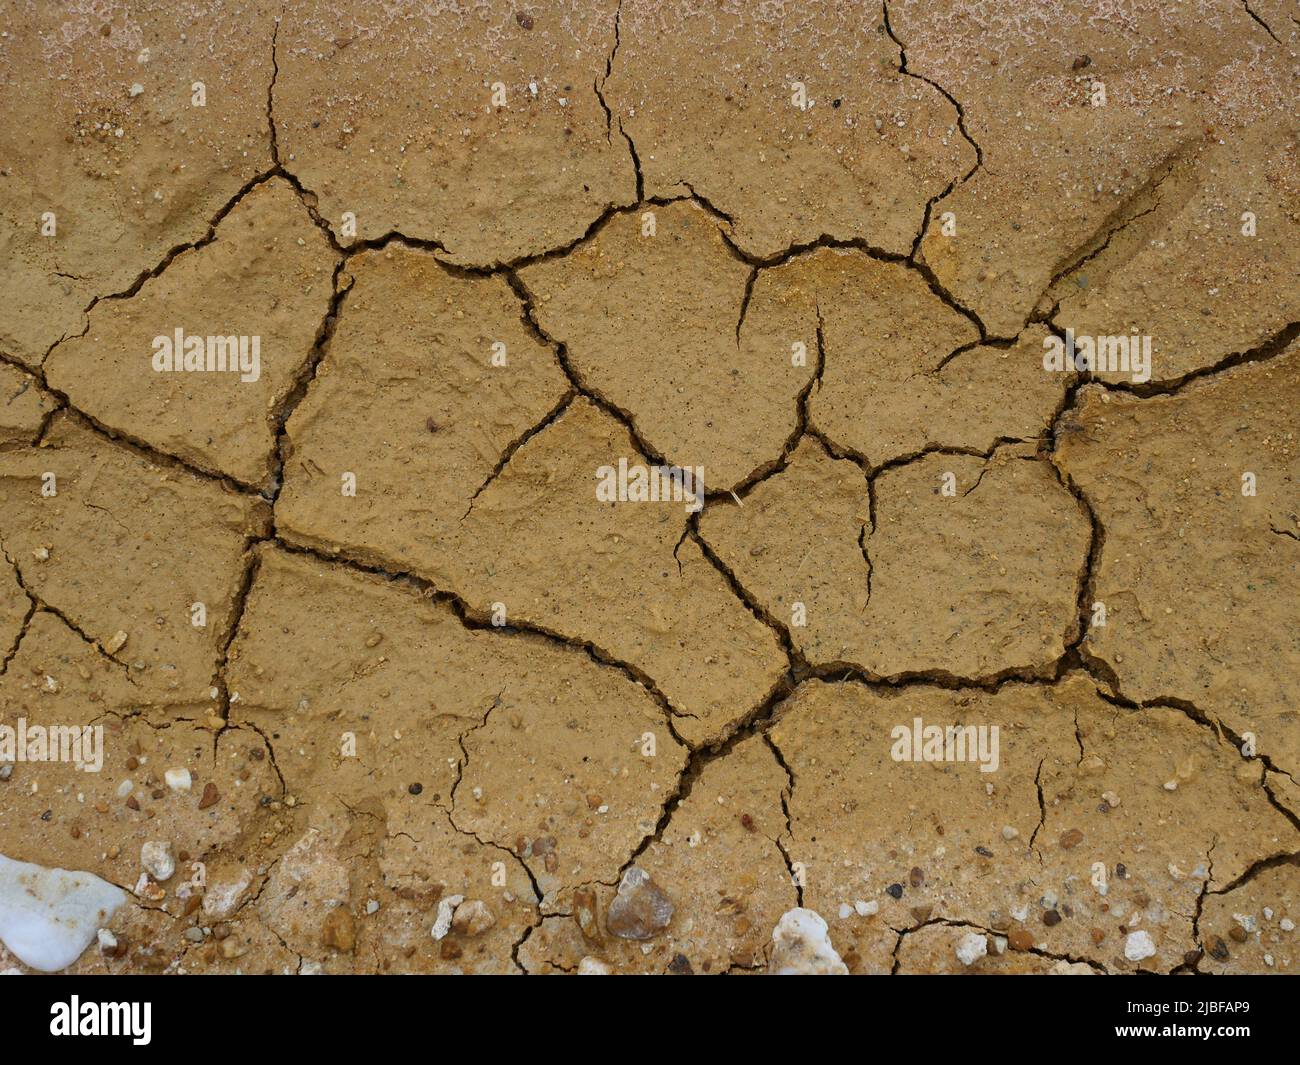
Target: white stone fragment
[(972, 947), (178, 779), (446, 909), (1138, 945), (157, 860), (223, 894), (802, 946), (49, 916)]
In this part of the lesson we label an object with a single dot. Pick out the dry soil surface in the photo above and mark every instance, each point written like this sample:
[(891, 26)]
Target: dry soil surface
[(959, 341)]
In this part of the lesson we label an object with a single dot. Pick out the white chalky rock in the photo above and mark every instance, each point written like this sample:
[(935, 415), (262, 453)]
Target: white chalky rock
[(590, 966), (1065, 968), (972, 947), (49, 916), (223, 894), (157, 860), (802, 946), (178, 779), (1138, 946), (446, 908)]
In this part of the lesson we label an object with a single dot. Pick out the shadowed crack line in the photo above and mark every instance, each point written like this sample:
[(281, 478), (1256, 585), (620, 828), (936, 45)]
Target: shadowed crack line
[(623, 417), (475, 621), (787, 795), (1268, 349), (755, 723), (1267, 29), (1069, 959), (961, 126), (600, 81), (519, 441), (38, 605)]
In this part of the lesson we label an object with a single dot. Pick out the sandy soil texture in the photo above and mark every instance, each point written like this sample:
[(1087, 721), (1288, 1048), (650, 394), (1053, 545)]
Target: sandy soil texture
[(650, 486)]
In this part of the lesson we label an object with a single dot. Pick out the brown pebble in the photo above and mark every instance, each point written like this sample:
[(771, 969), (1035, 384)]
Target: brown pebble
[(1237, 933), (1081, 62), (132, 803), (524, 19), (916, 877), (747, 823), (1191, 957), (1020, 939), (76, 832), (586, 912), (339, 930), (1098, 935), (1218, 948), (210, 796), (1051, 918), (449, 950), (132, 764), (191, 904), (921, 914), (1071, 839)]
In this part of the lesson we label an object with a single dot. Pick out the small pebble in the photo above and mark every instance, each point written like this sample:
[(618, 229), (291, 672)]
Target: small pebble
[(971, 948), (157, 860), (178, 779), (1138, 946), (1071, 839)]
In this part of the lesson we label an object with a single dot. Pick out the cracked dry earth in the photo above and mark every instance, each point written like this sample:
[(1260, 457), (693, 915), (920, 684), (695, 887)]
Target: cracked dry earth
[(384, 683)]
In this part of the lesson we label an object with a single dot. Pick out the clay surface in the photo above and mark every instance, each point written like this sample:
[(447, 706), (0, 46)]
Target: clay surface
[(722, 489)]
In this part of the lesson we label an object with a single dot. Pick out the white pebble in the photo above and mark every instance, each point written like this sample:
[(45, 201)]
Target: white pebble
[(446, 908), (157, 860), (178, 779), (1138, 946), (972, 947)]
